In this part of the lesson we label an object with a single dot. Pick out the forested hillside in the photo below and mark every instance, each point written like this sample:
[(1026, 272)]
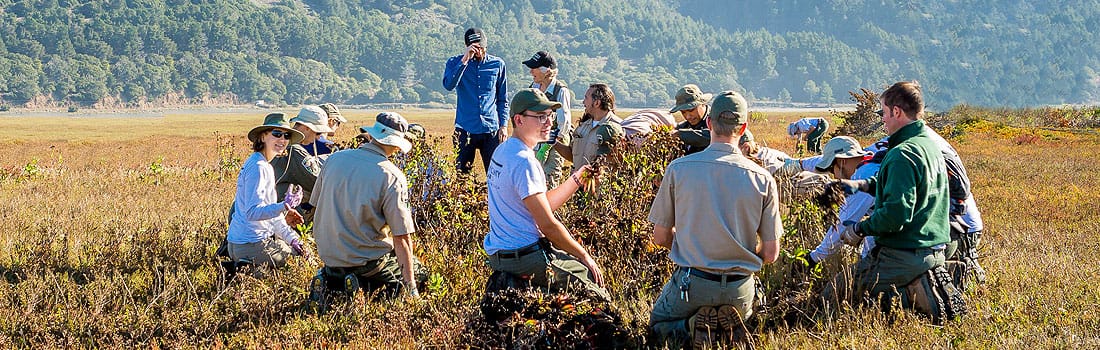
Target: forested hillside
[(133, 52)]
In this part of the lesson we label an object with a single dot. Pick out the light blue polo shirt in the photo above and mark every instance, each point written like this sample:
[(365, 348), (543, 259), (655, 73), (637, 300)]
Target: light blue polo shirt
[(514, 174)]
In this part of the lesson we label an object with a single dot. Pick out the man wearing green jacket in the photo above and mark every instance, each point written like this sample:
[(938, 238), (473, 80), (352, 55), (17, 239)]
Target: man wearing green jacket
[(910, 215)]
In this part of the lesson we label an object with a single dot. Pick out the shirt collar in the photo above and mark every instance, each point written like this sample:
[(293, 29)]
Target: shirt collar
[(906, 132), (371, 147), (723, 147)]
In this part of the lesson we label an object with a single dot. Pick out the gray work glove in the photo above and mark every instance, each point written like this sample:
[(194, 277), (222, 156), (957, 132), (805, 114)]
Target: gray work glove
[(852, 186), (791, 166), (851, 234)]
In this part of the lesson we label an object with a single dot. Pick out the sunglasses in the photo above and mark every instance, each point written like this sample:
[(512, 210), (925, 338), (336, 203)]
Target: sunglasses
[(281, 134)]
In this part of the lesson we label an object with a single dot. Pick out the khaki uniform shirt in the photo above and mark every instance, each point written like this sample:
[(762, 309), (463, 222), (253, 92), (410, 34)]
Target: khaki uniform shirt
[(362, 201), (592, 138), (721, 204)]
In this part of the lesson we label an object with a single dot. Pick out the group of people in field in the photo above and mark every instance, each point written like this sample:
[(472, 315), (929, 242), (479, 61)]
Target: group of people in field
[(717, 209)]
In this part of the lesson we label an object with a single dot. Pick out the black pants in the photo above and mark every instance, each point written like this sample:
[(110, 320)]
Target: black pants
[(466, 143)]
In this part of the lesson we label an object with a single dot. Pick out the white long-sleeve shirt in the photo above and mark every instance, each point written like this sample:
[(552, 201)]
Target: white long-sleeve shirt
[(854, 208), (256, 213)]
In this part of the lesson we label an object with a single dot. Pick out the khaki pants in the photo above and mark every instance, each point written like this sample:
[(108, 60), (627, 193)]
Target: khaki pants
[(379, 278), (551, 271), (553, 166), (880, 272), (670, 312), (270, 251)]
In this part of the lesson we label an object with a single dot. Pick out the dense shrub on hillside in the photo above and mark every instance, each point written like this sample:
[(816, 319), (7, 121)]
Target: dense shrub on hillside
[(863, 121)]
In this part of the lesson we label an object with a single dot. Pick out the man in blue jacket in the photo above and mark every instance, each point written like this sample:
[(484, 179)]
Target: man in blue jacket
[(481, 82)]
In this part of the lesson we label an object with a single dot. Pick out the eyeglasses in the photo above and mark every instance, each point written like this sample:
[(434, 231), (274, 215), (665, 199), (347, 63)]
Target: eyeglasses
[(542, 118), (282, 134)]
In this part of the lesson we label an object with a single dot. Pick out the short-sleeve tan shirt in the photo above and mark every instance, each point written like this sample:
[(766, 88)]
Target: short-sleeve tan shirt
[(721, 205), (362, 201), (595, 138)]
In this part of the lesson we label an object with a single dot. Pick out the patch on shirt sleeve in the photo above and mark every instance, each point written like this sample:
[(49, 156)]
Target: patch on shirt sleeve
[(312, 164)]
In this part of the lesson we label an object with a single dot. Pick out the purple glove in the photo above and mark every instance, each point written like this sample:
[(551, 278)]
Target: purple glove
[(293, 196), (296, 245)]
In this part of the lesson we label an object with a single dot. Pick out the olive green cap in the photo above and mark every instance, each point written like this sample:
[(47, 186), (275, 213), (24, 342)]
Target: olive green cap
[(531, 100), (731, 101)]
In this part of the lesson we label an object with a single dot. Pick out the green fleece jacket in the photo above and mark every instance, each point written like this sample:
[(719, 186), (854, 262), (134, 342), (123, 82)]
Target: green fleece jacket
[(911, 193)]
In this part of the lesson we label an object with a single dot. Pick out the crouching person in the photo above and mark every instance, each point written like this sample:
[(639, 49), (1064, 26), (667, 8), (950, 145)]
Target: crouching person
[(363, 219), (909, 217), (718, 213), (524, 235), (256, 218)]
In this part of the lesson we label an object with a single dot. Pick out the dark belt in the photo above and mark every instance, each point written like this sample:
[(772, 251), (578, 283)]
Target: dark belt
[(714, 276), (518, 253)]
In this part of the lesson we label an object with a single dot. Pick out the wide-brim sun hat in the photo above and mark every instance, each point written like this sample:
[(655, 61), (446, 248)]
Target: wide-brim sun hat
[(314, 118), (275, 121), (840, 147), (390, 129), (688, 97)]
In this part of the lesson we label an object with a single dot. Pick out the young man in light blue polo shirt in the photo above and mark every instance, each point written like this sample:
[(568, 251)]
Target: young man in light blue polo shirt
[(524, 235)]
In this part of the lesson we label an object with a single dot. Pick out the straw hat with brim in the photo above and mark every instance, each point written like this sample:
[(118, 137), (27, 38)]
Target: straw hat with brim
[(840, 147), (314, 118), (275, 121), (390, 129), (689, 96), (531, 100)]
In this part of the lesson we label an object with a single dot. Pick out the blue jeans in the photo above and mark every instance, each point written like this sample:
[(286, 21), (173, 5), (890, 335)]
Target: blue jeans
[(467, 143)]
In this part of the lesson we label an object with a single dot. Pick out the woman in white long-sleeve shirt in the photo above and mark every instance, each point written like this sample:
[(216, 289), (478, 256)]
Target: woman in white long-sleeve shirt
[(257, 215)]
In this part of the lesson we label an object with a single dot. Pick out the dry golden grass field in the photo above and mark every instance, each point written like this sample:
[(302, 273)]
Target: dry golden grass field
[(109, 227)]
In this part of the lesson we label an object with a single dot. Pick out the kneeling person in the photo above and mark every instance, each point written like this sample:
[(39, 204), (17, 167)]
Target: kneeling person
[(521, 208), (909, 218), (844, 158), (363, 219), (718, 213)]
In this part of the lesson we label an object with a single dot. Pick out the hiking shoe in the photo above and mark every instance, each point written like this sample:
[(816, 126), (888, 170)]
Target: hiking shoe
[(730, 321), (706, 328)]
